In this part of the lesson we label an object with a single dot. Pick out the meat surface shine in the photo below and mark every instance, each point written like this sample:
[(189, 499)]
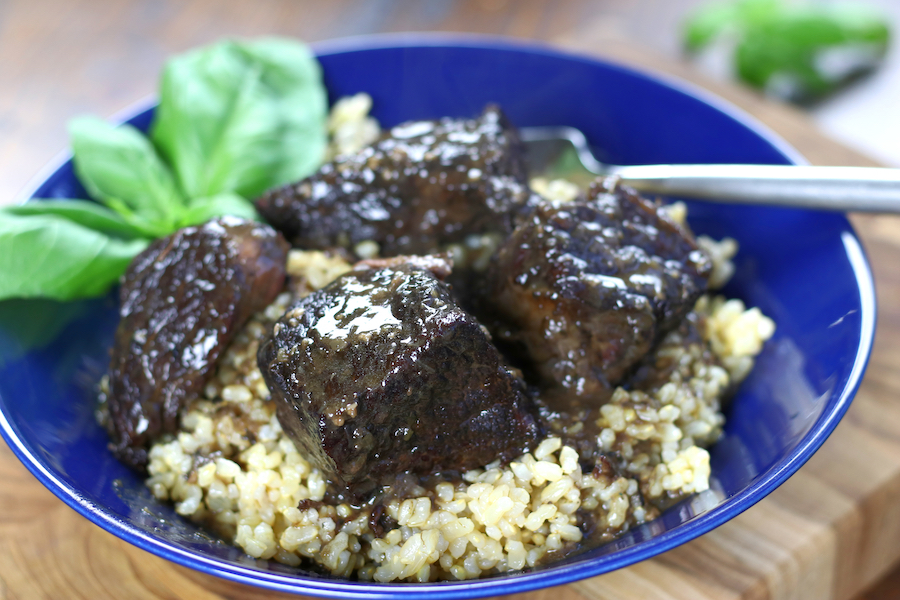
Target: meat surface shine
[(420, 186), (382, 373), (582, 290), (181, 302)]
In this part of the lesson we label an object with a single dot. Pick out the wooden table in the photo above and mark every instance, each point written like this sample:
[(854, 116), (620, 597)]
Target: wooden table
[(830, 533)]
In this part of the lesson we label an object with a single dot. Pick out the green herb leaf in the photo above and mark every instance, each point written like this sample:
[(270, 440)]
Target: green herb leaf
[(204, 209), (795, 51), (51, 256), (708, 23), (241, 117), (751, 13), (727, 18), (120, 167), (85, 213), (810, 50), (234, 120)]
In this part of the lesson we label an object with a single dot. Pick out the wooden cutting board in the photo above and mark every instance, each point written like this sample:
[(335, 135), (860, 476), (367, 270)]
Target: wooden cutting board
[(829, 533)]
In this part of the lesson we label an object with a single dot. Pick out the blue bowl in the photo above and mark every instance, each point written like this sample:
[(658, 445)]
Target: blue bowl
[(804, 269)]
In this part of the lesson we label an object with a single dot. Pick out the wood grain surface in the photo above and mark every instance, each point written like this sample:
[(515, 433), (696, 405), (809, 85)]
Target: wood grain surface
[(830, 533)]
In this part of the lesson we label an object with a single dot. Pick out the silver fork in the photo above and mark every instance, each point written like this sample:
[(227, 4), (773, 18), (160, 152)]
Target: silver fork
[(852, 189)]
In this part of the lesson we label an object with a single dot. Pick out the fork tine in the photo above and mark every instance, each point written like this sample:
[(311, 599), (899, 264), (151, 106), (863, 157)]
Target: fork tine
[(561, 135)]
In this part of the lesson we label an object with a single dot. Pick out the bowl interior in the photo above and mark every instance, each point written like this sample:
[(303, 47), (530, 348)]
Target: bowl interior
[(803, 269)]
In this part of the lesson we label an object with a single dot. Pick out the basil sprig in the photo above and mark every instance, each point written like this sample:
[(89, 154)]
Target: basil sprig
[(798, 51), (233, 120)]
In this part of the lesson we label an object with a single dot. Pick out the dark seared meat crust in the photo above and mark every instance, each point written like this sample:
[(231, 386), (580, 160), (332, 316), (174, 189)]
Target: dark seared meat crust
[(421, 186), (583, 290), (381, 373), (182, 301)]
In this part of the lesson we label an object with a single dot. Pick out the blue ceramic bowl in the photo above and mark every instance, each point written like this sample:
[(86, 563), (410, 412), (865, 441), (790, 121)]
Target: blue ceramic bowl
[(804, 269)]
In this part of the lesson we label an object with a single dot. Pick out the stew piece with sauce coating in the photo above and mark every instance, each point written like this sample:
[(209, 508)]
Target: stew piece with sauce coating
[(382, 373), (182, 301)]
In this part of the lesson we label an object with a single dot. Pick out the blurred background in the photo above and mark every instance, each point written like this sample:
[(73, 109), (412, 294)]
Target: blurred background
[(61, 58)]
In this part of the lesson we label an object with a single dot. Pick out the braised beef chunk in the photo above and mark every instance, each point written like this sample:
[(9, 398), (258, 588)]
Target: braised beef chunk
[(421, 186), (584, 289), (381, 373), (182, 301)]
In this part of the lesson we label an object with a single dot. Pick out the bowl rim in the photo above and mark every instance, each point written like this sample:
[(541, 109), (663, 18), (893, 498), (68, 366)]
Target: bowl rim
[(517, 582)]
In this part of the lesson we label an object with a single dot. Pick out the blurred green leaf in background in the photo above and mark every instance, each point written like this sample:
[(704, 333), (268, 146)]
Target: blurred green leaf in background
[(795, 51)]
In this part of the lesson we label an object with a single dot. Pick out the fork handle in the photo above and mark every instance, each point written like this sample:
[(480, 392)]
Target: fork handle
[(855, 189)]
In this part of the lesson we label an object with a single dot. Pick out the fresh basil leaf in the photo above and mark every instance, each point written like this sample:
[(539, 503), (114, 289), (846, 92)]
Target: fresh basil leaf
[(51, 256), (86, 213), (204, 209), (727, 18), (751, 13), (120, 167), (809, 50), (794, 51), (861, 23), (707, 24), (241, 117)]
